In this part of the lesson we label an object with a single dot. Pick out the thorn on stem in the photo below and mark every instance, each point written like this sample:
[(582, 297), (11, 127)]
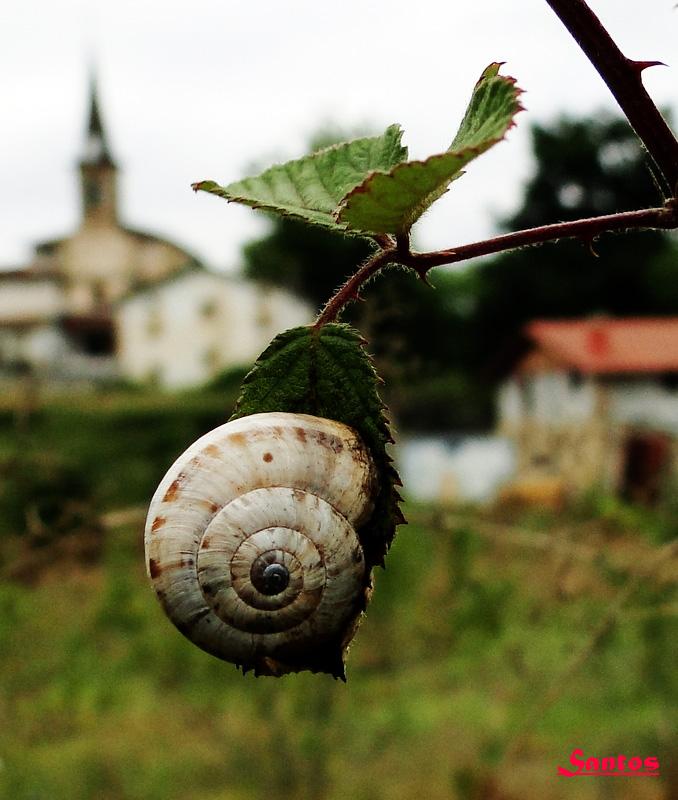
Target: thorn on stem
[(639, 66), (423, 276), (590, 243)]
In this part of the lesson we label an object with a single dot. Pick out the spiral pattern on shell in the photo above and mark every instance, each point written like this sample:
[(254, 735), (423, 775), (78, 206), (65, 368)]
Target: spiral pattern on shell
[(251, 541)]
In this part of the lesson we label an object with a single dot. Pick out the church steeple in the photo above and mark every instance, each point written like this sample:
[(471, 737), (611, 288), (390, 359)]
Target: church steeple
[(96, 146), (98, 172)]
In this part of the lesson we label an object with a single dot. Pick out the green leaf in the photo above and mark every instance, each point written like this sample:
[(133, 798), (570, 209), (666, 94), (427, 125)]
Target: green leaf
[(391, 202), (493, 105), (311, 188), (327, 372)]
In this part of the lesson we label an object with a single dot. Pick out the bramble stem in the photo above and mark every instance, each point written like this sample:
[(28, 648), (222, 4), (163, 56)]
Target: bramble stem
[(586, 229), (623, 78), (350, 290)]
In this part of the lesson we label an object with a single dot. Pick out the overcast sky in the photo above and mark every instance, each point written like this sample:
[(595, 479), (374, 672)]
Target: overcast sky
[(205, 89)]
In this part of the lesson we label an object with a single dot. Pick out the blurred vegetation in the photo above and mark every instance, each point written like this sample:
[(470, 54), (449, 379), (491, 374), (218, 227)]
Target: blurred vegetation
[(100, 697), (66, 459), (228, 381), (461, 338)]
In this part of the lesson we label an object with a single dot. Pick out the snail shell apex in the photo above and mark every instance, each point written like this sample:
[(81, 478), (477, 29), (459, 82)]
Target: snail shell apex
[(251, 541)]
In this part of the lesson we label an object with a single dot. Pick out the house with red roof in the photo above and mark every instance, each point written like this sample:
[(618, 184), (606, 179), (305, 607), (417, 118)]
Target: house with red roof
[(594, 404)]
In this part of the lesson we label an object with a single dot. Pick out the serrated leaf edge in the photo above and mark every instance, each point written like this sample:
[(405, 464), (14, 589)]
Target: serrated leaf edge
[(364, 187), (330, 222), (211, 187), (492, 70), (375, 549)]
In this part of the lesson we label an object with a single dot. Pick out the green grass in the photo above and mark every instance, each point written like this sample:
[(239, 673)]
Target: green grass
[(101, 452), (100, 697)]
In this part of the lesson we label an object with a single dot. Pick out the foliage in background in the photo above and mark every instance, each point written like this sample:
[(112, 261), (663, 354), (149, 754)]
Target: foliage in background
[(72, 462), (99, 697)]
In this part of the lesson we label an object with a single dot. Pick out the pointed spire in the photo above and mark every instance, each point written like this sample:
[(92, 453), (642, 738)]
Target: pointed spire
[(96, 146)]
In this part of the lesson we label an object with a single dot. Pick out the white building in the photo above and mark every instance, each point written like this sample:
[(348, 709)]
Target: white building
[(110, 302), (30, 306), (183, 330), (454, 469)]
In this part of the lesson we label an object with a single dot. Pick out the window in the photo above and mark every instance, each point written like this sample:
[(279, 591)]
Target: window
[(574, 379), (527, 393), (98, 342), (92, 193), (209, 309), (669, 380), (211, 358), (98, 293), (154, 326)]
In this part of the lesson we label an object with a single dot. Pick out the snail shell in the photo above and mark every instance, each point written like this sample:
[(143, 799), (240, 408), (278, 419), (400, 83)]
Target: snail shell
[(251, 541)]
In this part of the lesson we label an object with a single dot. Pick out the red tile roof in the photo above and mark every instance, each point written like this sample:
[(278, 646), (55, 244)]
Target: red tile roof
[(609, 345)]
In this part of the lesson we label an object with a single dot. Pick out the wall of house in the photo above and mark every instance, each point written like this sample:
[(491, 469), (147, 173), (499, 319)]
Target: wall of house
[(644, 402), (559, 424), (454, 469), (22, 300), (102, 262), (41, 346), (581, 430), (186, 330), (550, 397)]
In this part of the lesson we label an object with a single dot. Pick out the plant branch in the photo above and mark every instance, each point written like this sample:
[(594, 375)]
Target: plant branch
[(623, 78), (350, 291), (586, 229)]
